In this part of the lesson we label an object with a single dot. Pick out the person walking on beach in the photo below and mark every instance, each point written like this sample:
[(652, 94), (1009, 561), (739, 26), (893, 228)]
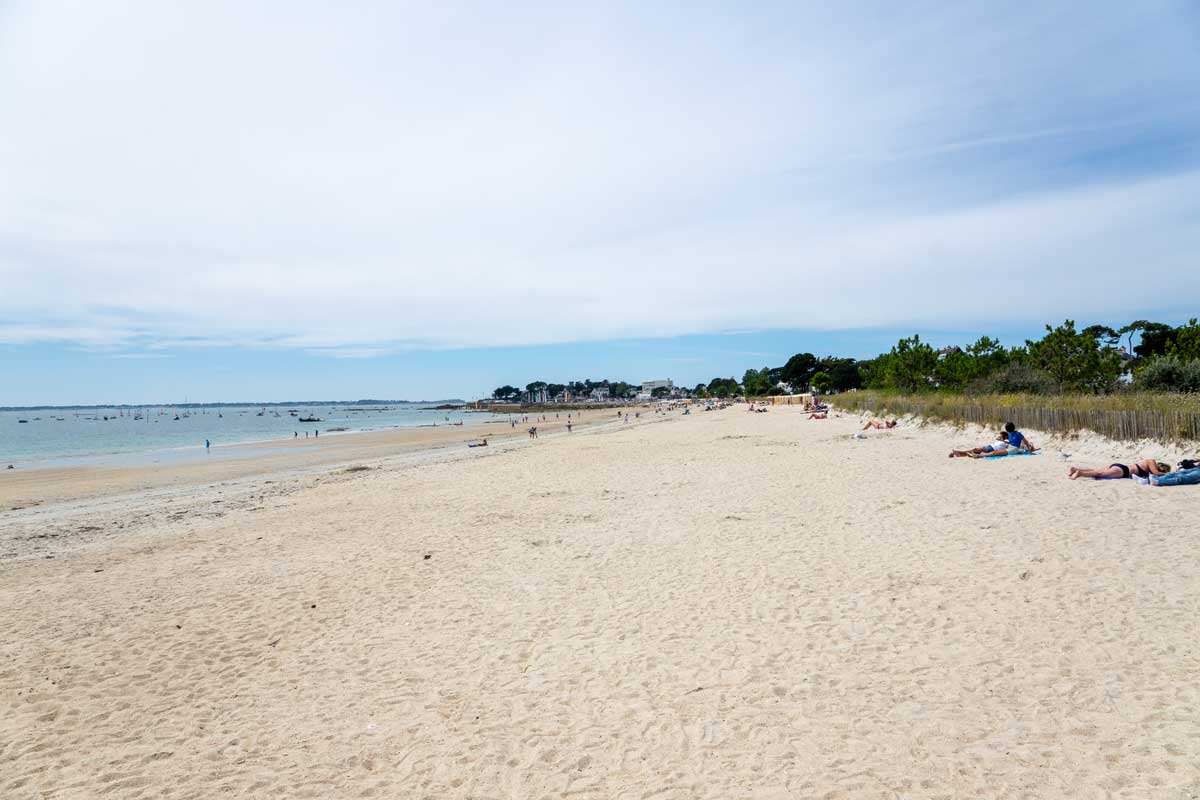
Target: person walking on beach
[(206, 443), (568, 426)]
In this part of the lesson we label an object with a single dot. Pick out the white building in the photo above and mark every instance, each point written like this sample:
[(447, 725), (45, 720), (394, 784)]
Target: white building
[(537, 396), (648, 388), (600, 393)]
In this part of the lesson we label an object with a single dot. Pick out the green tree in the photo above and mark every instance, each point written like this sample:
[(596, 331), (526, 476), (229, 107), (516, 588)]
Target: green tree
[(910, 367), (722, 387), (957, 368), (799, 369), (660, 391), (506, 392), (1074, 359), (1154, 338), (1185, 343), (843, 372), (822, 381), (1104, 335), (756, 382)]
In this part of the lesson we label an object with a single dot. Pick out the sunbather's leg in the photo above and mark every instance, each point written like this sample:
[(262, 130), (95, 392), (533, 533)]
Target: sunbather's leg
[(1105, 472)]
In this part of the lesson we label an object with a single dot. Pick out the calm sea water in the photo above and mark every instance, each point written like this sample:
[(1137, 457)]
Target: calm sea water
[(55, 435)]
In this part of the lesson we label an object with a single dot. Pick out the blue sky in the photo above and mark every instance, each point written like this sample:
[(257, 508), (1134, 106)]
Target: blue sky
[(225, 374), (296, 200)]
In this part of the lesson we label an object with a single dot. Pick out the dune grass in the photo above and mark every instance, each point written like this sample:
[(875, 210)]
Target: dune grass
[(1127, 416)]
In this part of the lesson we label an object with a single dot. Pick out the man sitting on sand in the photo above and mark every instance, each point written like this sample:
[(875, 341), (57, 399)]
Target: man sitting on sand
[(1017, 439), (879, 426)]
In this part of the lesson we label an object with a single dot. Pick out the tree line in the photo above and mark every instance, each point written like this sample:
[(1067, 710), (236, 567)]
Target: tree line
[(582, 389), (1094, 360)]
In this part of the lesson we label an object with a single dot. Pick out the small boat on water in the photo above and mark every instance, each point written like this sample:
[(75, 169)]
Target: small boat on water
[(23, 420), (311, 419)]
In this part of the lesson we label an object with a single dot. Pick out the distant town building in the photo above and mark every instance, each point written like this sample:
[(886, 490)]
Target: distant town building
[(600, 393), (536, 397), (648, 388)]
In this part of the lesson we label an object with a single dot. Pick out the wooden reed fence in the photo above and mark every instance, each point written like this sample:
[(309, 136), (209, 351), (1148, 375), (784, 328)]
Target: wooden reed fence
[(1121, 425)]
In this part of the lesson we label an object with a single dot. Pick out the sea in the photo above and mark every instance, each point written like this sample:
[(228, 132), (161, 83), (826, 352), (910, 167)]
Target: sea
[(134, 435)]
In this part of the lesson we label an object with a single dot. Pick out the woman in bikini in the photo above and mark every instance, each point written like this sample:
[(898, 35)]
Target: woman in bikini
[(1142, 469)]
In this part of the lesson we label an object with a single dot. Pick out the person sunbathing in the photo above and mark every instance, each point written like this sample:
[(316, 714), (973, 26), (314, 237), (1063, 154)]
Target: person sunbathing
[(1187, 474), (1001, 445), (879, 426), (822, 415), (1142, 469)]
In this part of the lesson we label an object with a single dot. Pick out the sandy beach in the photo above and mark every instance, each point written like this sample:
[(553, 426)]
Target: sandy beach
[(721, 605)]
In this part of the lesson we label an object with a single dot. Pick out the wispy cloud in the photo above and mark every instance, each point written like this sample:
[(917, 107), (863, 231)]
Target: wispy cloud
[(444, 176), (139, 356)]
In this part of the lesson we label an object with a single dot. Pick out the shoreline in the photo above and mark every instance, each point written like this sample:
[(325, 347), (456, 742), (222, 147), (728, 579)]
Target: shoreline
[(37, 484), (136, 457)]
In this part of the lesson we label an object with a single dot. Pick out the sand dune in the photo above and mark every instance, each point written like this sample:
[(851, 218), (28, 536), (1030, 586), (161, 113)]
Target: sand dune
[(720, 605)]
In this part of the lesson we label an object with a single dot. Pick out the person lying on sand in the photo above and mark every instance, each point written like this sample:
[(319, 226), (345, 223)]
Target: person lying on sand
[(1142, 469), (477, 444), (1000, 445), (822, 415), (1187, 474), (877, 425)]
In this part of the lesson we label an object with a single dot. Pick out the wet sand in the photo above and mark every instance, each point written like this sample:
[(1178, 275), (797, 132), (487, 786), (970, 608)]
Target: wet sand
[(34, 486)]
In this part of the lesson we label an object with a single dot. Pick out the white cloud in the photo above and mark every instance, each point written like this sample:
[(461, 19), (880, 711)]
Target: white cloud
[(354, 182)]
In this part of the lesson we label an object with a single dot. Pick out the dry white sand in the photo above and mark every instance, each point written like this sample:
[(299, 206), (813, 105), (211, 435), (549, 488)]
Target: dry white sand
[(722, 605)]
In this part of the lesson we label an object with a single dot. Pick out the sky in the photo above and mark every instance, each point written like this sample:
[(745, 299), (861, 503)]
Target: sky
[(277, 201)]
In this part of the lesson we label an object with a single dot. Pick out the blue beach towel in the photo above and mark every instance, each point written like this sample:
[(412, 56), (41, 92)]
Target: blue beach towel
[(1012, 455)]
